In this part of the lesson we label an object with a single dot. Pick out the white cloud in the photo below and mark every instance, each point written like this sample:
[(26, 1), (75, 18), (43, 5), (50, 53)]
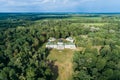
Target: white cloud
[(42, 5), (37, 2)]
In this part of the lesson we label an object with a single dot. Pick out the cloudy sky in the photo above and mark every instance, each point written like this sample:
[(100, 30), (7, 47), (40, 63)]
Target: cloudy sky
[(59, 5)]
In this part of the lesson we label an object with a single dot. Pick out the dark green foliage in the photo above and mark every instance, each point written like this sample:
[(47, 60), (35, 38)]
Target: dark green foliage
[(89, 66), (22, 56), (22, 37)]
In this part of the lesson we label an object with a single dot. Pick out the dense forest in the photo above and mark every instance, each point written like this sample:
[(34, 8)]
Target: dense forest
[(24, 57)]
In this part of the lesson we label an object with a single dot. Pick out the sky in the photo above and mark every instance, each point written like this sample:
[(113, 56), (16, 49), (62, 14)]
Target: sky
[(99, 6)]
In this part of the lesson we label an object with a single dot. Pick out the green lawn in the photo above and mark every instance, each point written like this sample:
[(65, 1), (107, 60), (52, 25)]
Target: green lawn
[(63, 60)]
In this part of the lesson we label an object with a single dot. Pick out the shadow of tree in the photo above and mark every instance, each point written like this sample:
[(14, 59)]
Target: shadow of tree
[(54, 68)]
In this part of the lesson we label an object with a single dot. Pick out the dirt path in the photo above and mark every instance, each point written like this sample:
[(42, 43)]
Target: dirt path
[(63, 60)]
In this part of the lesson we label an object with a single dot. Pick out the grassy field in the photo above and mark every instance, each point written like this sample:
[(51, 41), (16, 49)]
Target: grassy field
[(90, 24), (63, 59)]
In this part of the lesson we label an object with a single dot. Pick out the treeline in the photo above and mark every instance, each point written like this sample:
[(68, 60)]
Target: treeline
[(15, 23), (20, 19), (31, 16)]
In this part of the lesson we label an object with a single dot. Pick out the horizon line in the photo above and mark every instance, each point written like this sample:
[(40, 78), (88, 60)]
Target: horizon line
[(65, 12)]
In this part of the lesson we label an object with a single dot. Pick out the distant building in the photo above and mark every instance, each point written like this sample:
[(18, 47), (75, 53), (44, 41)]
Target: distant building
[(70, 39), (60, 44), (51, 39)]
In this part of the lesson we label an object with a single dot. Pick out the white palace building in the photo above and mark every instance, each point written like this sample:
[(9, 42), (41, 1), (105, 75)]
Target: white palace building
[(67, 43)]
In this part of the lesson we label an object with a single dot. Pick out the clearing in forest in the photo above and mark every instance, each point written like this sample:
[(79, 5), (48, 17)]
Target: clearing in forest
[(63, 61)]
